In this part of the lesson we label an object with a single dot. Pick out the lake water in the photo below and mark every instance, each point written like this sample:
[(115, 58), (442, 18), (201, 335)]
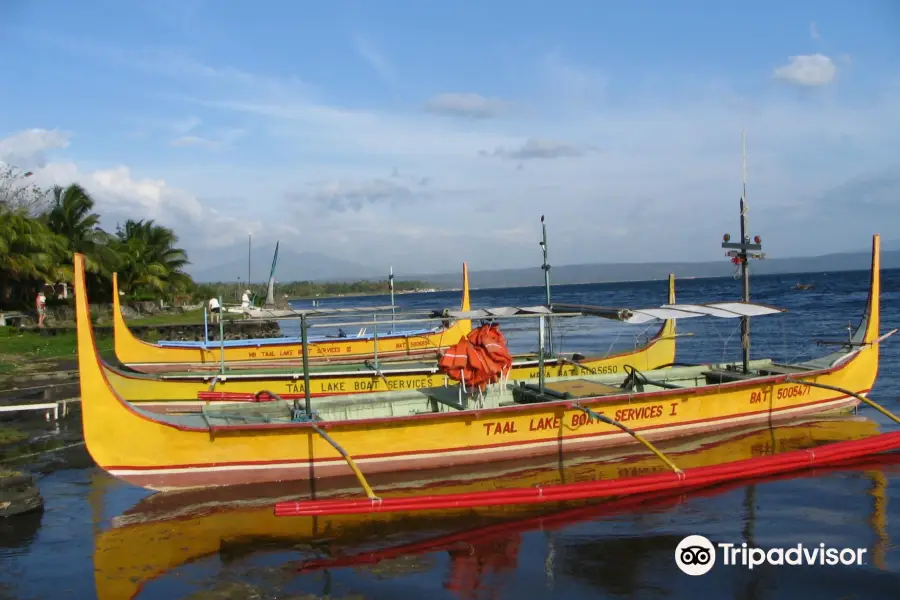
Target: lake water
[(99, 537)]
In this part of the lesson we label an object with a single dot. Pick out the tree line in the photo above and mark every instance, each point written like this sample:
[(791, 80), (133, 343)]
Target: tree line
[(40, 230), (231, 292)]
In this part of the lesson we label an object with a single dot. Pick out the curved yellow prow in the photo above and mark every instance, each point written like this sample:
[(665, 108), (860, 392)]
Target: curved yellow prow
[(94, 388), (668, 331), (873, 314), (127, 346), (465, 325)]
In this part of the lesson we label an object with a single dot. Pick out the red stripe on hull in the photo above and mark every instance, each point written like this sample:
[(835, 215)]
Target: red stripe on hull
[(260, 473)]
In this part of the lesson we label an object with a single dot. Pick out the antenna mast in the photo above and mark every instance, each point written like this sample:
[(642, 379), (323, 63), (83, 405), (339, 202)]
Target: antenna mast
[(742, 251), (546, 268)]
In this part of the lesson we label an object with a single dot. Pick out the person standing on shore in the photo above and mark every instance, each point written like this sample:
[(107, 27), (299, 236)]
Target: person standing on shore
[(245, 300), (41, 305), (214, 311)]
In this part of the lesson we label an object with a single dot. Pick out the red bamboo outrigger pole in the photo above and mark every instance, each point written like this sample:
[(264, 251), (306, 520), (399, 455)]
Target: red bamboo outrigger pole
[(689, 479), (570, 516)]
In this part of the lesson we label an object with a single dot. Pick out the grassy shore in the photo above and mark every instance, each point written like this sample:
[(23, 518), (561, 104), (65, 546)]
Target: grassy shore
[(29, 351), (24, 352)]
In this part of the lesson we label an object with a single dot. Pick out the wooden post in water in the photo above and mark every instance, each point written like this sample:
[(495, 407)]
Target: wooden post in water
[(546, 268), (304, 343)]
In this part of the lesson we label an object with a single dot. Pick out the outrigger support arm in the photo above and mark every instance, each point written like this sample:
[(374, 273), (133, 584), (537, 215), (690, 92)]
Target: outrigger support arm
[(631, 432), (859, 397), (350, 462)]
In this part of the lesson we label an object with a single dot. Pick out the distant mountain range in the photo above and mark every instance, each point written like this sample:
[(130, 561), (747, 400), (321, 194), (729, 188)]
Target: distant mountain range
[(312, 266), (231, 265), (612, 272)]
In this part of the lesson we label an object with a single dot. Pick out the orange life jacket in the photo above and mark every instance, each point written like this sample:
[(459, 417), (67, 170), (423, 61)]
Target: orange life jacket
[(478, 359)]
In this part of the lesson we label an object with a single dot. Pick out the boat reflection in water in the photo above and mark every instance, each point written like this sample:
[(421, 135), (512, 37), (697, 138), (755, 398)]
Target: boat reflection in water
[(168, 530)]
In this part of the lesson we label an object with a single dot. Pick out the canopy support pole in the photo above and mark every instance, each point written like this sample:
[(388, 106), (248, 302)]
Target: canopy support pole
[(304, 342), (391, 282), (221, 337), (375, 339), (541, 336)]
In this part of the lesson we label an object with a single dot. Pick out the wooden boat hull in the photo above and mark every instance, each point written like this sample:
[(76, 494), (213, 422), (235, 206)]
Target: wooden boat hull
[(146, 357), (165, 531), (163, 452)]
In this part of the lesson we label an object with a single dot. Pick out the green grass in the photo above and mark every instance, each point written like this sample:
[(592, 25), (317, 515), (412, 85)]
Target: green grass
[(26, 350), (10, 436)]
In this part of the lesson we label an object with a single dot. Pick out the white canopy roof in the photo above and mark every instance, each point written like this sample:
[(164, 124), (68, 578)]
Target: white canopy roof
[(721, 310)]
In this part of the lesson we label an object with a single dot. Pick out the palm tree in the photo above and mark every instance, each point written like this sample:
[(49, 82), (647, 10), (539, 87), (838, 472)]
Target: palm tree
[(30, 254), (149, 260), (70, 216)]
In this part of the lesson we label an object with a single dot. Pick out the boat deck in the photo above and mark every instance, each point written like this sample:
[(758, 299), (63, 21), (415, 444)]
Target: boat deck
[(452, 398)]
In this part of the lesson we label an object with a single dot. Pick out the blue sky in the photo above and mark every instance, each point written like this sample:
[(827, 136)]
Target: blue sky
[(421, 133)]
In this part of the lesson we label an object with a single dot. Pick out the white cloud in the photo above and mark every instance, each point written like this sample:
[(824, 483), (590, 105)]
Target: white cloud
[(808, 70), (813, 31), (27, 149), (121, 195), (468, 105)]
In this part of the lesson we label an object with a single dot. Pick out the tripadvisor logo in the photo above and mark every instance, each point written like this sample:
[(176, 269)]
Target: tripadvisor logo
[(696, 555)]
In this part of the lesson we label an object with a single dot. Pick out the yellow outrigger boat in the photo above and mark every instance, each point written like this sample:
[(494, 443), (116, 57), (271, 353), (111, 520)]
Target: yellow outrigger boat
[(282, 353), (166, 531), (182, 391), (442, 427)]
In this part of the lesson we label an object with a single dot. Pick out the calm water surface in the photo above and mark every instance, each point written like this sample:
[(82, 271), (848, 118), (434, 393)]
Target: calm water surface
[(99, 537)]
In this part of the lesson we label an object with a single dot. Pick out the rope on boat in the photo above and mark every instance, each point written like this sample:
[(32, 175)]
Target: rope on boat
[(632, 433), (859, 397)]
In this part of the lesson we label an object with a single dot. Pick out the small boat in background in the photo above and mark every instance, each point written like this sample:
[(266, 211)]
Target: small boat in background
[(804, 286), (169, 356)]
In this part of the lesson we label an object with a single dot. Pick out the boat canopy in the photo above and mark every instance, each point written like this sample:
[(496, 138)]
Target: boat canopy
[(722, 310)]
